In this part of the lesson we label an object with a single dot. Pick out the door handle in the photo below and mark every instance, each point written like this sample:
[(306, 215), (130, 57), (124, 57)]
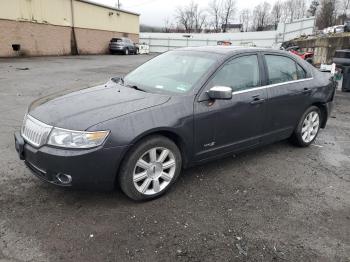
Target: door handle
[(257, 100), (306, 90)]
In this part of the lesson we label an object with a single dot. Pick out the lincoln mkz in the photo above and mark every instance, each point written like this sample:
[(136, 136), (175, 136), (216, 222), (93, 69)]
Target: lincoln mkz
[(177, 110)]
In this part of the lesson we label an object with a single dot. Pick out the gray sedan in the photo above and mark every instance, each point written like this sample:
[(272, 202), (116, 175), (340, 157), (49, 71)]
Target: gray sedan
[(180, 109)]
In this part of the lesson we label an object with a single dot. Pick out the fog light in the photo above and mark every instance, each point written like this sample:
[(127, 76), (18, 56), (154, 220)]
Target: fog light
[(64, 179)]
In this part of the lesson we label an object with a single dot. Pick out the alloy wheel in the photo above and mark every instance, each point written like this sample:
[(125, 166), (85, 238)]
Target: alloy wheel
[(310, 127), (154, 171)]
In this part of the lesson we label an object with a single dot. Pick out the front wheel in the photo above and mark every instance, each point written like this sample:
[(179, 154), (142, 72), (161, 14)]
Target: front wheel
[(308, 127), (150, 168), (126, 51)]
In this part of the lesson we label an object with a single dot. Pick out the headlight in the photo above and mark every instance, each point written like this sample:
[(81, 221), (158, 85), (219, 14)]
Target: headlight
[(76, 139)]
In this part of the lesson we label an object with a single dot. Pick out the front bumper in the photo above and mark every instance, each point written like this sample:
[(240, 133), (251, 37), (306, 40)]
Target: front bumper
[(90, 169)]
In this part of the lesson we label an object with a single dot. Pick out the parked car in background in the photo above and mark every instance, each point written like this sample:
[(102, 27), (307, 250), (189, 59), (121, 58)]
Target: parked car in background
[(179, 109), (307, 56), (339, 29), (123, 45), (225, 43), (143, 48), (334, 29)]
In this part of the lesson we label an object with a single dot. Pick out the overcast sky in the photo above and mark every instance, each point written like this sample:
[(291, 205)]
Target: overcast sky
[(154, 12)]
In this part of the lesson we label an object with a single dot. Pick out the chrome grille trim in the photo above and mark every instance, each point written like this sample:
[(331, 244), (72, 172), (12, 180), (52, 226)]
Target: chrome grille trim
[(34, 131)]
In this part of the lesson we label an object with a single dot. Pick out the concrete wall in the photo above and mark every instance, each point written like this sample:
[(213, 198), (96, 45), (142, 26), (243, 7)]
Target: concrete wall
[(97, 17), (296, 28), (90, 41), (54, 12), (35, 39), (161, 42), (44, 27), (324, 47)]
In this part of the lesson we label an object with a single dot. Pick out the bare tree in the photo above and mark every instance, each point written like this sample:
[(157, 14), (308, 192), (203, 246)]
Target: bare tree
[(277, 12), (294, 9), (327, 14), (344, 6), (191, 17), (229, 8), (167, 25), (261, 16), (300, 9), (215, 12), (244, 19), (313, 7), (184, 16), (290, 6), (199, 18)]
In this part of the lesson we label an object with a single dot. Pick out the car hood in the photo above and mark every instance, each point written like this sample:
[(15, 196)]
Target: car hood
[(82, 109)]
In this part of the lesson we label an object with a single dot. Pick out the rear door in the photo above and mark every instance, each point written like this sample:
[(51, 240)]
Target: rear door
[(288, 93), (224, 126)]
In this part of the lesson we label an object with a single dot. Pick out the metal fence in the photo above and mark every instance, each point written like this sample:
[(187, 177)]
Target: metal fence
[(161, 42)]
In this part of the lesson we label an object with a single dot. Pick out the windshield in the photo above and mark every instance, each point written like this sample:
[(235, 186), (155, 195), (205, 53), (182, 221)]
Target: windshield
[(175, 71)]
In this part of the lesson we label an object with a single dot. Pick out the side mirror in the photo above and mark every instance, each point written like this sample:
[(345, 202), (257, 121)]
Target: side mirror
[(220, 93)]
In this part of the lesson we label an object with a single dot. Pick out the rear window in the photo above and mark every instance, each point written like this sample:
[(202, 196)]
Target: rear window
[(116, 40)]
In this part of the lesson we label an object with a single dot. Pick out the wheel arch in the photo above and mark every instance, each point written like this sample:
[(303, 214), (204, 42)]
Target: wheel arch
[(324, 113), (170, 134)]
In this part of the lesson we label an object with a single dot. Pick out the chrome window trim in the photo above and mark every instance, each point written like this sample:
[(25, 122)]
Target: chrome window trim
[(272, 85)]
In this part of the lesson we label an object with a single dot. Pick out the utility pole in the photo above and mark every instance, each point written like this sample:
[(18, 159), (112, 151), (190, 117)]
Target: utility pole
[(74, 45), (118, 4)]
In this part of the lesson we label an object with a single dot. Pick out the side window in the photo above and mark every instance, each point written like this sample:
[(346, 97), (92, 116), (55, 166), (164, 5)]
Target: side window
[(281, 69), (240, 73), (300, 72)]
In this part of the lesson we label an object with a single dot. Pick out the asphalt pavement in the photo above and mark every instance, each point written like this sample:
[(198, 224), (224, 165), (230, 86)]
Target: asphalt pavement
[(276, 203)]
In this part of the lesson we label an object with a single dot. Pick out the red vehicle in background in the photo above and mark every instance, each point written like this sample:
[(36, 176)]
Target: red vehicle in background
[(226, 43), (307, 56)]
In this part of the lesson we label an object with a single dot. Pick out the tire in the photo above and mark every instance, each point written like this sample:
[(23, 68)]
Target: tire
[(126, 51), (308, 127), (139, 173), (137, 51)]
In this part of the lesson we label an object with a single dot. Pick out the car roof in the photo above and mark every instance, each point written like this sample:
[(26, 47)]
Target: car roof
[(230, 50)]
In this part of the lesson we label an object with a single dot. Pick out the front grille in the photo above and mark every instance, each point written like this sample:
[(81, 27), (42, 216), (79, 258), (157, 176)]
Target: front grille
[(35, 132)]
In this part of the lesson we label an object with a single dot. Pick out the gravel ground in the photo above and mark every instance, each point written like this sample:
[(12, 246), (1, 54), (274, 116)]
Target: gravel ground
[(277, 203)]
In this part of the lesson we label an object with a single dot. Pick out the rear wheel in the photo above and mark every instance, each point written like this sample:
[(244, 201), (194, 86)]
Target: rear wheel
[(308, 127), (126, 51), (150, 168)]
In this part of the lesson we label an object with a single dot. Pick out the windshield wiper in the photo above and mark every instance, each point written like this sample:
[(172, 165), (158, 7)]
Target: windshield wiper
[(120, 80), (136, 88)]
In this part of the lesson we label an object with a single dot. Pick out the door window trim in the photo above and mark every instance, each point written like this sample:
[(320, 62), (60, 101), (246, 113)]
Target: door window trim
[(272, 85), (228, 60), (309, 73)]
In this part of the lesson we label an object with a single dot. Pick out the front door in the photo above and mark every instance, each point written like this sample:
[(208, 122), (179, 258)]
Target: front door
[(225, 126)]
